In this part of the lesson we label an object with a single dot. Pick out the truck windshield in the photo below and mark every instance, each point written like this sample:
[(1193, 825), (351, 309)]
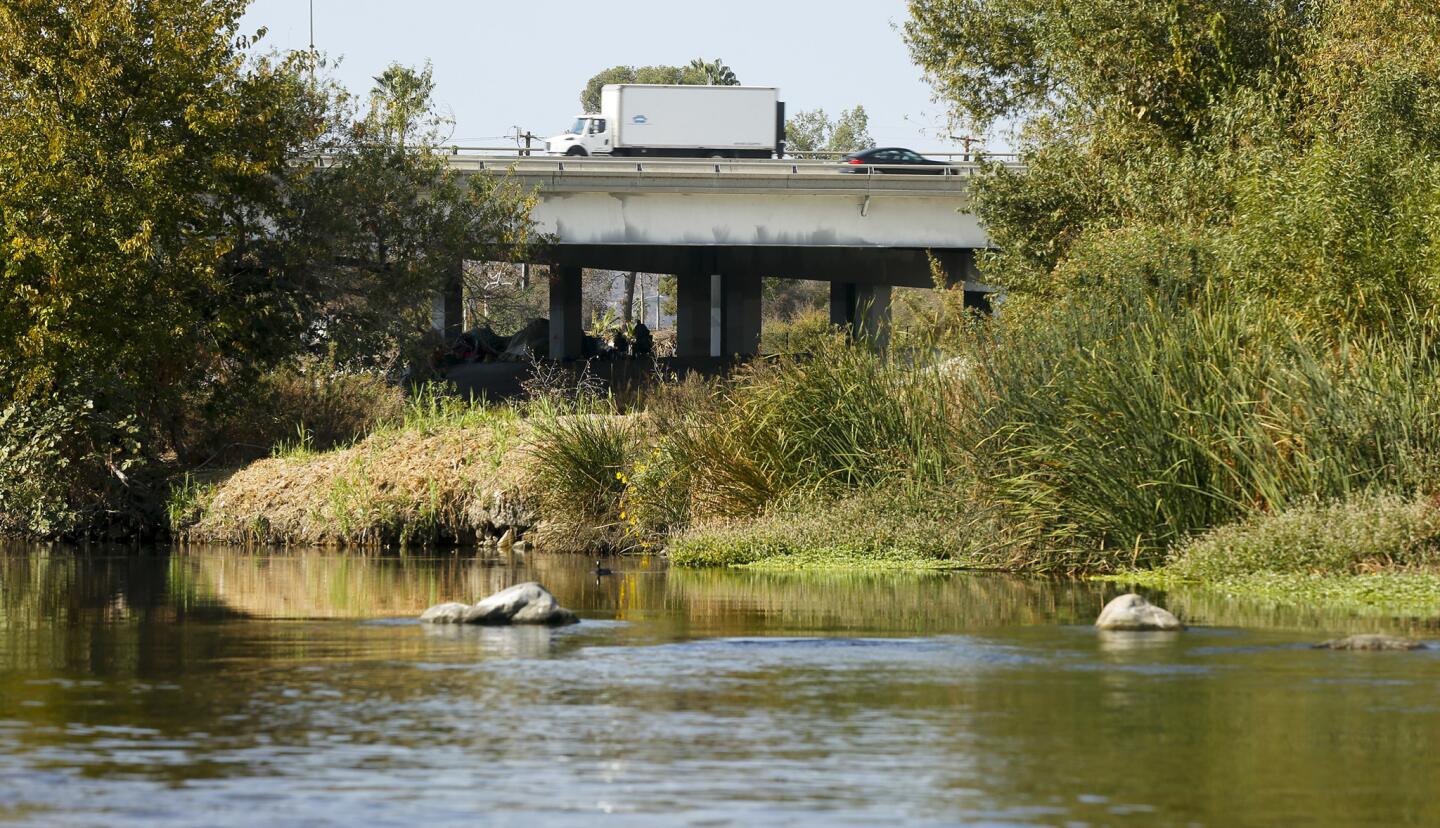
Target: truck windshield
[(578, 128)]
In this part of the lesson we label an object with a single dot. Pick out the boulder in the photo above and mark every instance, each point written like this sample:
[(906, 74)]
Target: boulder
[(520, 604), (451, 613), (1132, 612), (1371, 642)]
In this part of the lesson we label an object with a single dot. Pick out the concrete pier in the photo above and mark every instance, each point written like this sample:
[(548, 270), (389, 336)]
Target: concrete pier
[(863, 309), (566, 326), (692, 315)]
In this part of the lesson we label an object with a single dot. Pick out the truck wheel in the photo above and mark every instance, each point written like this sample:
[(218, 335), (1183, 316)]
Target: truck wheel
[(577, 151)]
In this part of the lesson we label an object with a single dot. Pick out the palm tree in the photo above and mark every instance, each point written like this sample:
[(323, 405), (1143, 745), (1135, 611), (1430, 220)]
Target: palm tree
[(715, 73)]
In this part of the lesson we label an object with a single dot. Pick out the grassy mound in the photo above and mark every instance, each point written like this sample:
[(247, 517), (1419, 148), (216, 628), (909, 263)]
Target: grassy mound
[(1363, 534), (1367, 555), (412, 483), (873, 531)]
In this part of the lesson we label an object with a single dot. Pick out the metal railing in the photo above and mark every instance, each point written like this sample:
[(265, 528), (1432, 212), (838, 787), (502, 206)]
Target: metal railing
[(561, 164), (539, 152)]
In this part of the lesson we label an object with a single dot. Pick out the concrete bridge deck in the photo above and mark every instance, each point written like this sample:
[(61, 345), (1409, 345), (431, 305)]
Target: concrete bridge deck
[(721, 225)]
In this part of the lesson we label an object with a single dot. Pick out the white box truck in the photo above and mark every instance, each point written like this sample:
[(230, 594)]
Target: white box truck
[(679, 122)]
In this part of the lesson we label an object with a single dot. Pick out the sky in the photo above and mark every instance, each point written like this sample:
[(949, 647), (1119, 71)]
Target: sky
[(502, 64)]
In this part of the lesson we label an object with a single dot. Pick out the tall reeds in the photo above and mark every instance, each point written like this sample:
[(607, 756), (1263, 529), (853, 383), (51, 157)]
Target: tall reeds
[(1105, 435)]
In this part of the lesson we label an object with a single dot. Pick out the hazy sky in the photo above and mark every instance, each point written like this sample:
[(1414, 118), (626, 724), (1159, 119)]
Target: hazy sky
[(500, 64)]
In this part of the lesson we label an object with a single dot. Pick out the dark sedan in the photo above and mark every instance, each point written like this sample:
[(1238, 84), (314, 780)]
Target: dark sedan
[(900, 159)]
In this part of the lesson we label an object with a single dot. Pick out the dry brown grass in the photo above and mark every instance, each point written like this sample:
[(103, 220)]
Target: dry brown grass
[(392, 487)]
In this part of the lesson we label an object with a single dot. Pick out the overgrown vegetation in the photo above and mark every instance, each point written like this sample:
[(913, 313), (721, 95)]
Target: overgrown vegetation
[(189, 226), (1217, 355)]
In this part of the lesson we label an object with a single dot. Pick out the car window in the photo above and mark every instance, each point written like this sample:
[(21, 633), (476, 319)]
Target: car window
[(884, 156), (907, 155), (597, 125)]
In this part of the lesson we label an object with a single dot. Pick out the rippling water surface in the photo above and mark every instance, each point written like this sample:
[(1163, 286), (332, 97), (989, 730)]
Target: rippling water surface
[(229, 688)]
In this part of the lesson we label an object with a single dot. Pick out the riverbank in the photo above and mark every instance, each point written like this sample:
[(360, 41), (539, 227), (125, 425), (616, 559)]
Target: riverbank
[(1107, 440), (1371, 555), (445, 475)]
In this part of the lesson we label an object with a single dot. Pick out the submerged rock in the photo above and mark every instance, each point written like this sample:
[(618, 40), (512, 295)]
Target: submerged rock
[(520, 604), (451, 613), (1371, 642), (1132, 612)]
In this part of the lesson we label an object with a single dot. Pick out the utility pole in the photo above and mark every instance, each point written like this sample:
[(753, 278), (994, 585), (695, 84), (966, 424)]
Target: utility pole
[(527, 136), (312, 27), (967, 140)]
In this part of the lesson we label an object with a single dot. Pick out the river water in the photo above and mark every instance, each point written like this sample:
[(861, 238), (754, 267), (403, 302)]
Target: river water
[(229, 688)]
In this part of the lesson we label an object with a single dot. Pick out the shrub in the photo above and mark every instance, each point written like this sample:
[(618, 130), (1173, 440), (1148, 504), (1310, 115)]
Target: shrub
[(1348, 536), (70, 467), (309, 403), (578, 474), (797, 334)]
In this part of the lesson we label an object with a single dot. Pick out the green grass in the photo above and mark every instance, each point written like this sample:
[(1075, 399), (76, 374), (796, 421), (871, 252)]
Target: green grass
[(1370, 554), (1408, 594), (871, 531), (434, 407), (1358, 535), (187, 500)]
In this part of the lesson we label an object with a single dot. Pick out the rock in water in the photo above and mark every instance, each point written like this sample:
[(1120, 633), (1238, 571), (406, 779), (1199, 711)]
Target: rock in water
[(520, 604), (452, 613), (1132, 612), (1371, 642)]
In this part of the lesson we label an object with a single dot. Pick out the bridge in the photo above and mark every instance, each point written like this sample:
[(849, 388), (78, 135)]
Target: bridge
[(721, 226)]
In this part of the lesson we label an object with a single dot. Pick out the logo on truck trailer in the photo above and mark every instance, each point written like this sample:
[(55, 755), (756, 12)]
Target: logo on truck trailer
[(640, 119)]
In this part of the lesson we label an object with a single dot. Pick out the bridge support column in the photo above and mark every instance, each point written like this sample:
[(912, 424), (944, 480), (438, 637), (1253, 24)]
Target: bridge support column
[(862, 309), (566, 328), (739, 306), (692, 315), (447, 313), (960, 271)]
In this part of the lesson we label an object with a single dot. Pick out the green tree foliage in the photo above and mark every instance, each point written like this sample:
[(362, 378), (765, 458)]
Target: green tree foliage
[(698, 72), (167, 234), (715, 72), (811, 131), (135, 143), (384, 225), (1284, 150)]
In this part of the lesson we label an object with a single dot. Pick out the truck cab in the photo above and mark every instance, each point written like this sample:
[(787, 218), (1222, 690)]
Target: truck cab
[(589, 135)]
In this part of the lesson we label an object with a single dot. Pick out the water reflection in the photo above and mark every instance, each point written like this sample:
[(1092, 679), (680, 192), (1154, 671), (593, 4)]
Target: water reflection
[(217, 685)]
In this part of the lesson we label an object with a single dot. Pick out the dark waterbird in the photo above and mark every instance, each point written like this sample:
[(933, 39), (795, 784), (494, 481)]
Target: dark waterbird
[(601, 570)]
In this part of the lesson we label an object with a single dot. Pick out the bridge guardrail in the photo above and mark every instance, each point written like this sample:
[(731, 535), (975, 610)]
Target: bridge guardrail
[(539, 152), (547, 165)]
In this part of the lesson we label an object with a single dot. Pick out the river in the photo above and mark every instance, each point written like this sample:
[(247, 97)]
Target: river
[(224, 687)]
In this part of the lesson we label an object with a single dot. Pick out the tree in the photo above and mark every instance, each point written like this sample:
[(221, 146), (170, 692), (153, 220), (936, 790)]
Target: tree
[(697, 73), (715, 72), (812, 131), (137, 150), (1157, 62), (1279, 151), (166, 236), (385, 225)]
